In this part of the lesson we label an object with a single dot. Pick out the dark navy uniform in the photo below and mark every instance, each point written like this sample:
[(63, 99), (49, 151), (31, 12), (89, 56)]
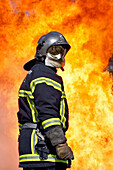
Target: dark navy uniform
[(42, 101)]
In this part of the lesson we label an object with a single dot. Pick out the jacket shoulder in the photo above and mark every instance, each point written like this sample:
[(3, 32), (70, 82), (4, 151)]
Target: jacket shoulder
[(40, 70)]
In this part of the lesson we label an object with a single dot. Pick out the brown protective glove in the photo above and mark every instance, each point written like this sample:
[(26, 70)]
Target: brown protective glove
[(64, 151), (58, 140)]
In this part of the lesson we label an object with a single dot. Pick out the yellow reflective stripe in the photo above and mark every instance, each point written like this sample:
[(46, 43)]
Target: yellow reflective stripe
[(30, 97), (25, 93), (63, 119), (35, 157), (48, 81), (62, 110), (63, 95), (50, 122), (22, 93), (20, 126), (34, 140), (35, 111), (31, 105)]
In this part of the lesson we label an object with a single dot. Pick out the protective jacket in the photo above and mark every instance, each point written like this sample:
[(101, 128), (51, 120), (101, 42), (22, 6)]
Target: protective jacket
[(42, 101)]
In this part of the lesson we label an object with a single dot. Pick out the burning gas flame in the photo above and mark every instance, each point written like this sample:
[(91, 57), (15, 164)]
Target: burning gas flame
[(87, 25)]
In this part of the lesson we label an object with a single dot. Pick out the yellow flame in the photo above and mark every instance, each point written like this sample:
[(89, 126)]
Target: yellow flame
[(87, 25)]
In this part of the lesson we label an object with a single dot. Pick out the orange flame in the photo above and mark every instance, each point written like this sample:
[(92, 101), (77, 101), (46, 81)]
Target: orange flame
[(87, 25)]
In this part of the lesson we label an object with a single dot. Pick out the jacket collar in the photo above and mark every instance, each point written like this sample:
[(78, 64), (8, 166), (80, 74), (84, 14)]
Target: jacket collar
[(47, 68)]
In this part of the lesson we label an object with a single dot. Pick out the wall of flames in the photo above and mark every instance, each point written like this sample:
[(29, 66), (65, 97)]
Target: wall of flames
[(88, 27)]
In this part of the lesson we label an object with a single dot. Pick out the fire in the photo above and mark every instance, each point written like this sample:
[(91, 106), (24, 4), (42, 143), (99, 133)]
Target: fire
[(87, 25)]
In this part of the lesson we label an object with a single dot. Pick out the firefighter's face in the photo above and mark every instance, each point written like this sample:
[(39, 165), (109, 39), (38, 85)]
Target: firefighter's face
[(56, 55)]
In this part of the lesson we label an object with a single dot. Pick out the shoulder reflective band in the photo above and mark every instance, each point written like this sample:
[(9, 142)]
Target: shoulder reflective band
[(48, 81), (50, 122), (25, 93), (35, 157)]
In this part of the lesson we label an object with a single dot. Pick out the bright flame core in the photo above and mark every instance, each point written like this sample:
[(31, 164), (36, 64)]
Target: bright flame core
[(87, 25)]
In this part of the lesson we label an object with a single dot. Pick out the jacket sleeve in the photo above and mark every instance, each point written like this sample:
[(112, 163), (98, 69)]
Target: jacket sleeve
[(47, 102)]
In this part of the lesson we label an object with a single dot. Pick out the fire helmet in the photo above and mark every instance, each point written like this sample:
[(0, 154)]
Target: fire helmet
[(45, 42)]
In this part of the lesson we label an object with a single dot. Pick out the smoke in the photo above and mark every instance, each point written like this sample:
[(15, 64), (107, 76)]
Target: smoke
[(87, 25)]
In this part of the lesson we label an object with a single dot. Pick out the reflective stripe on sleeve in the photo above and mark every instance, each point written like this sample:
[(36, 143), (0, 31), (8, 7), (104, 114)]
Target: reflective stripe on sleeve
[(48, 81), (20, 126), (30, 97), (35, 157), (50, 122), (25, 93), (62, 110), (63, 95), (33, 110)]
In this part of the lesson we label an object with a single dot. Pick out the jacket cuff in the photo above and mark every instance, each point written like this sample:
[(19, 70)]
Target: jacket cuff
[(51, 122)]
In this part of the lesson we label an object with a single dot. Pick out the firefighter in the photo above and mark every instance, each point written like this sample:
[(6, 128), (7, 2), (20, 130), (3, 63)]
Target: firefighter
[(43, 109)]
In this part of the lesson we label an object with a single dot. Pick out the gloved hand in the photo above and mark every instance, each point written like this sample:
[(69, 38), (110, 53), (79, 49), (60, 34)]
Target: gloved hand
[(58, 140), (64, 151)]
